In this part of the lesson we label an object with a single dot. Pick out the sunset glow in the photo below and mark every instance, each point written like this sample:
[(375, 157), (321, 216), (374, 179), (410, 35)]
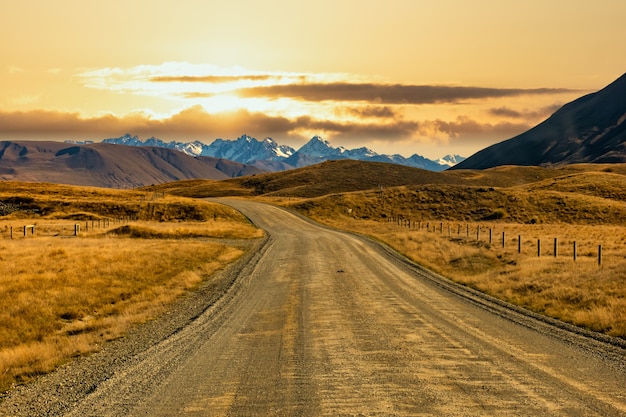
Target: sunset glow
[(404, 77)]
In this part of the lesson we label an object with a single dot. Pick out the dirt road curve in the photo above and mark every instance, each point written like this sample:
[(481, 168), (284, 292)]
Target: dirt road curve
[(326, 323)]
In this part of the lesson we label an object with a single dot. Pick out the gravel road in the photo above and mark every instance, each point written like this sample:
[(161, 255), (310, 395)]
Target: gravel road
[(319, 322)]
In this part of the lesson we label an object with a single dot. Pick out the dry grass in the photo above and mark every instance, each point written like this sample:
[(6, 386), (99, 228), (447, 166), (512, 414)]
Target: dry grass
[(579, 292), (64, 298), (584, 205), (61, 297)]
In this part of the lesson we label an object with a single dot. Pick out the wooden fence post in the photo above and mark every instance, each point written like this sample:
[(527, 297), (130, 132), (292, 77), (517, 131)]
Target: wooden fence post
[(502, 240), (538, 248), (574, 250), (556, 246), (490, 235), (599, 255)]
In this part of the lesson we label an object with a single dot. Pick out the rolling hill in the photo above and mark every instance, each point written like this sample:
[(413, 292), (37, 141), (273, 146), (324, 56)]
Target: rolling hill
[(591, 129), (346, 176)]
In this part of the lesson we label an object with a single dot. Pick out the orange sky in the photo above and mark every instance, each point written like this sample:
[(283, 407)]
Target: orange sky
[(405, 77)]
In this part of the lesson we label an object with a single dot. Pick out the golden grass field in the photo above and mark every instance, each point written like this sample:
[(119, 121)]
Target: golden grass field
[(62, 296)]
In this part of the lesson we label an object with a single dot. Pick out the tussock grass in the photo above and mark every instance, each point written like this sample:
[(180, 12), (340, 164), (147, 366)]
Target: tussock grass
[(582, 204), (187, 230), (63, 297), (60, 299), (579, 292), (62, 202)]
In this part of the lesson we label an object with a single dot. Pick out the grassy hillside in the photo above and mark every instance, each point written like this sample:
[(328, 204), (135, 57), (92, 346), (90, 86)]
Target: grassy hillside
[(344, 176)]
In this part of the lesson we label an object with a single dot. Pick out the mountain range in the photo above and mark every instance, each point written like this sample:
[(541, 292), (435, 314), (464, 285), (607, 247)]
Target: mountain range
[(270, 156), (590, 129)]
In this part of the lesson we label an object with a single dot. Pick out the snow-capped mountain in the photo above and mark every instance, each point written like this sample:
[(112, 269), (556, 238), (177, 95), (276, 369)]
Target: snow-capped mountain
[(248, 149), (189, 148), (450, 160), (270, 156)]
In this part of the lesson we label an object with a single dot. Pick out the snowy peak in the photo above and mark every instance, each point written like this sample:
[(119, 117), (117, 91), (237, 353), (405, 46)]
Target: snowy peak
[(320, 148), (269, 155), (450, 160), (189, 148), (247, 149)]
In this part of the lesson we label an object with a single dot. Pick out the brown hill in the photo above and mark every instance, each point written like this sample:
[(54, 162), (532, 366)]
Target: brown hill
[(345, 176), (589, 129), (107, 165)]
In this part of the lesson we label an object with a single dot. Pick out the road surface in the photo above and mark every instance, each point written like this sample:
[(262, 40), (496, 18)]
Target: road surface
[(328, 323)]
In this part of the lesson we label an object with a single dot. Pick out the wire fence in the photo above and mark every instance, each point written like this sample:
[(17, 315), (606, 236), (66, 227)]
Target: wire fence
[(493, 237), (60, 228)]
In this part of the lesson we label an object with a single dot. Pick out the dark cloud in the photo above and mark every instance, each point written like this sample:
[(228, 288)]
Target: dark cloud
[(524, 114), (464, 130), (388, 93), (372, 111), (505, 112)]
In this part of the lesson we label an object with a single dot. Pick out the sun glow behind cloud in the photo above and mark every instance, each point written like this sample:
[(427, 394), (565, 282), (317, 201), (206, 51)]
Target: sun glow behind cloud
[(204, 102)]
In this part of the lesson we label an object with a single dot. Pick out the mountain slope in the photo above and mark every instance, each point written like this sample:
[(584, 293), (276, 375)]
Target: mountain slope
[(589, 129), (107, 165)]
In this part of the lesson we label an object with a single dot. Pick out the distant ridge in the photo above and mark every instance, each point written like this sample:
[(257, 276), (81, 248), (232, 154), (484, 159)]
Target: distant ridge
[(107, 165), (591, 129)]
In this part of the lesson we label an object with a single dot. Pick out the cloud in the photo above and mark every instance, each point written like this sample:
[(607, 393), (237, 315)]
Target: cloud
[(210, 78), (465, 129), (387, 93), (371, 111), (195, 123), (507, 112), (13, 69)]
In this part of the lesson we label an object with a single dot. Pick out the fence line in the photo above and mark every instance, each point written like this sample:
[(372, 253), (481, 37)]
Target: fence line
[(61, 229), (426, 225)]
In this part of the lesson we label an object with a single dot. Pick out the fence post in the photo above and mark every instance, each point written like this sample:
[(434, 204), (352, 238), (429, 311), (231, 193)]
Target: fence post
[(76, 229), (538, 248), (478, 232), (574, 250), (11, 232), (502, 240), (468, 230), (599, 255), (519, 243), (556, 246), (490, 235)]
